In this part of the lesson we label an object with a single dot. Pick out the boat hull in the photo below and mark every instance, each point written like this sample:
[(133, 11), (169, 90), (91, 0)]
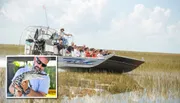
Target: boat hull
[(111, 63)]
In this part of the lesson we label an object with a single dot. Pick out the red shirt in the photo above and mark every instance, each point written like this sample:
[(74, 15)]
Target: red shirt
[(87, 54), (94, 55)]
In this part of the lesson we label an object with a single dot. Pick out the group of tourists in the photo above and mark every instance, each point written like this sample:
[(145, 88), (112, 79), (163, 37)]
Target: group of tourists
[(77, 51)]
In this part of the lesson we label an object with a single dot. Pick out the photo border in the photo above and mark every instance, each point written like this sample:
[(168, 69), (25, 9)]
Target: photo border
[(31, 56)]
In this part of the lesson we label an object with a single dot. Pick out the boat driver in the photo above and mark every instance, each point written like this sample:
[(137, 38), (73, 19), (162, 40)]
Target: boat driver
[(62, 35)]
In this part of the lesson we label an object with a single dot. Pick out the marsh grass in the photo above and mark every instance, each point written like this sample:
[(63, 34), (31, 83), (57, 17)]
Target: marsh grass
[(10, 49), (161, 84), (2, 77), (155, 61), (158, 77), (112, 83)]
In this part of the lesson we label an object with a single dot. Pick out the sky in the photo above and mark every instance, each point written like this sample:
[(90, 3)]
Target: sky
[(132, 25)]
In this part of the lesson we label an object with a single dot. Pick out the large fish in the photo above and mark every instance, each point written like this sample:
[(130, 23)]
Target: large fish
[(27, 76)]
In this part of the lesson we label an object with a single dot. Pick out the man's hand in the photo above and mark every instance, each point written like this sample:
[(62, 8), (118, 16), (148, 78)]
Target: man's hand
[(24, 85), (70, 34), (18, 92)]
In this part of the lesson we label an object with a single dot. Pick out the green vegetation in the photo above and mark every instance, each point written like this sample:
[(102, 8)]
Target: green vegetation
[(51, 71)]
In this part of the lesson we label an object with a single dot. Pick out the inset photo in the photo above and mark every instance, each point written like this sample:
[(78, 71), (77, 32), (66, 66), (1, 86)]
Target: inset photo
[(31, 77)]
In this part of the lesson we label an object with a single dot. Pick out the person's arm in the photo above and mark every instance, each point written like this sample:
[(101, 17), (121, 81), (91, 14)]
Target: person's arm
[(67, 34), (32, 92), (12, 91), (18, 93)]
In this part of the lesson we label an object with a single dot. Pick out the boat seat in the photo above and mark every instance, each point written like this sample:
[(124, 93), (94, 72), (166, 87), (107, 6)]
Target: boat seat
[(49, 42), (49, 45)]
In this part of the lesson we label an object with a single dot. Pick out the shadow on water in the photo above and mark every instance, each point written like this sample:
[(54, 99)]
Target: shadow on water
[(89, 70)]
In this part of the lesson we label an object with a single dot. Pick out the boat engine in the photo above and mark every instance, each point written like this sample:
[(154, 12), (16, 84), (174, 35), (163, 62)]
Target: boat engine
[(39, 44)]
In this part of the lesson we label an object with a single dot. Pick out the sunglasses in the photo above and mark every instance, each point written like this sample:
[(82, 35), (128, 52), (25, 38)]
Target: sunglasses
[(39, 62)]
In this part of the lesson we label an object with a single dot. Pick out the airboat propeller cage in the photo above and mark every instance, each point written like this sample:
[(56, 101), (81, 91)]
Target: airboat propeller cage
[(39, 40), (36, 34)]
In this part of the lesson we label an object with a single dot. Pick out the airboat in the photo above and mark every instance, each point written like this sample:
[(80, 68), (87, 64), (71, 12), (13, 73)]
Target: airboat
[(40, 40)]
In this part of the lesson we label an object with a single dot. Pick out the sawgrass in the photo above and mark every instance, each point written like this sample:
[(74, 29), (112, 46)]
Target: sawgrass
[(156, 62), (10, 49), (112, 83), (155, 85), (158, 77), (2, 77)]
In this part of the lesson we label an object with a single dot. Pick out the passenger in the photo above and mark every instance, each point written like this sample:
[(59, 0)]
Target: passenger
[(76, 52), (83, 47), (100, 54), (60, 47), (70, 48), (95, 53), (83, 54), (105, 53), (86, 50), (62, 36), (109, 52), (91, 52)]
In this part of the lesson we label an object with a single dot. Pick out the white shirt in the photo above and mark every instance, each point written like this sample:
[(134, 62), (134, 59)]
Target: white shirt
[(61, 34), (83, 54), (77, 53), (100, 56)]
